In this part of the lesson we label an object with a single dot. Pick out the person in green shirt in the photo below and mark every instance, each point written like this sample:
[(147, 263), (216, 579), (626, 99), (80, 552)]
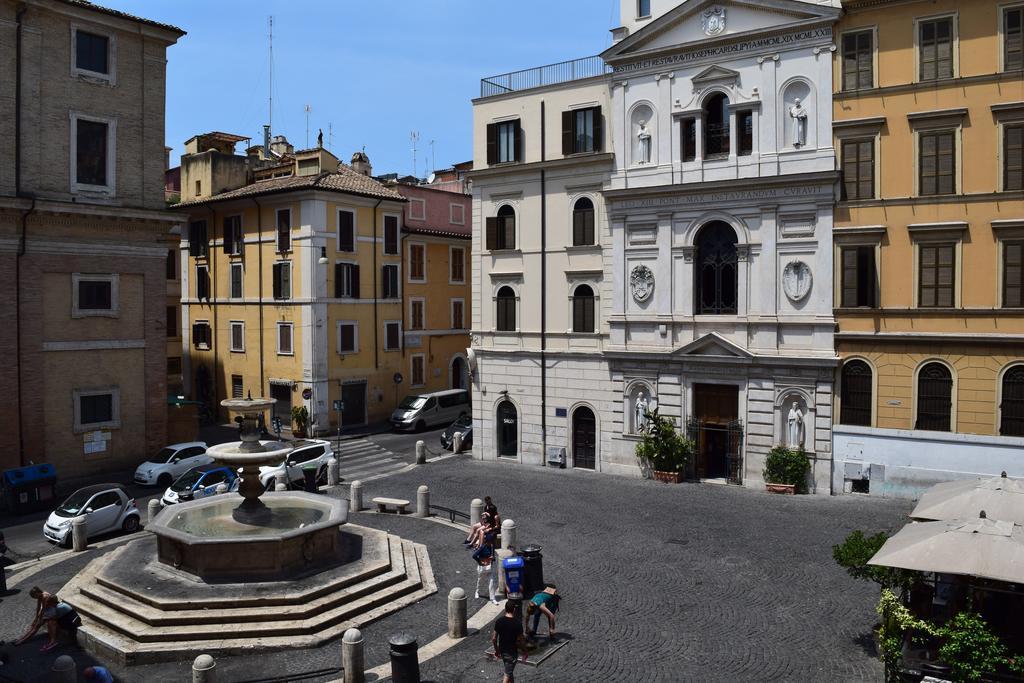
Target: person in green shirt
[(546, 603)]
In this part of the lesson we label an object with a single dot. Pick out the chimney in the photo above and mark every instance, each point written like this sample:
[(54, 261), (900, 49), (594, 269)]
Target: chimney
[(280, 146), (361, 163)]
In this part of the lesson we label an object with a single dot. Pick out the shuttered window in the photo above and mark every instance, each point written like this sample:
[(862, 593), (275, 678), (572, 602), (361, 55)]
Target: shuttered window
[(392, 336), (458, 314), (934, 398), (506, 310), (390, 234), (583, 222), (198, 244), (859, 277), (417, 314), (238, 336), (1011, 408), (1013, 38), (418, 372), (346, 231), (937, 275), (1013, 157), (582, 131), (237, 390), (282, 280), (347, 335), (233, 241), (938, 162), (858, 60), (457, 265), (390, 281), (858, 169), (284, 339), (202, 283), (583, 310), (418, 262), (504, 142), (856, 394), (1013, 275), (688, 135), (501, 229), (201, 337), (935, 42), (236, 280), (346, 281), (284, 230)]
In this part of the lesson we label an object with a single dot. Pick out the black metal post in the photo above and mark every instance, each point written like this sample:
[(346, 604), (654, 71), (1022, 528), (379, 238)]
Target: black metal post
[(405, 663)]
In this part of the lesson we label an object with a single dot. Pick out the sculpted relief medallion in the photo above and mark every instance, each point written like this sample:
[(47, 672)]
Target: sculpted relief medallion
[(713, 20), (641, 282), (796, 280)]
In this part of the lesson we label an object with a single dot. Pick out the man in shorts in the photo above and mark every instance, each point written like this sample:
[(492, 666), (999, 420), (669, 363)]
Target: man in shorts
[(508, 640)]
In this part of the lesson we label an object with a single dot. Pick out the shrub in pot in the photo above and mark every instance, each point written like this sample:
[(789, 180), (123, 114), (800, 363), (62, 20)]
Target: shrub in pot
[(300, 417), (663, 450), (788, 468)]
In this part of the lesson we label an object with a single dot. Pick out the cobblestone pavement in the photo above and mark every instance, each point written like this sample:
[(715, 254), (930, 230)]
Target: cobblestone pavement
[(661, 582)]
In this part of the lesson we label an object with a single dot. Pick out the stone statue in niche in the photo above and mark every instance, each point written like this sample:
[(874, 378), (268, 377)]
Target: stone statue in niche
[(795, 427), (798, 113), (640, 413), (643, 137)]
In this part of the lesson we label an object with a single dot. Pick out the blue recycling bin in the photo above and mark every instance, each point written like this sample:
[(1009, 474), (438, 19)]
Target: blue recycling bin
[(29, 489), (513, 568)]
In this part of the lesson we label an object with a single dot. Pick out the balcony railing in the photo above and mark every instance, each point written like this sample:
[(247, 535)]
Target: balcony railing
[(562, 72)]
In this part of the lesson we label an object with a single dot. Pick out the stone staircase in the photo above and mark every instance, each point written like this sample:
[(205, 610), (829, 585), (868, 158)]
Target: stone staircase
[(159, 614)]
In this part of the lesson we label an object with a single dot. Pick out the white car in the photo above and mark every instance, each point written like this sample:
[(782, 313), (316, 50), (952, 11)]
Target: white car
[(307, 453), (106, 507), (172, 462)]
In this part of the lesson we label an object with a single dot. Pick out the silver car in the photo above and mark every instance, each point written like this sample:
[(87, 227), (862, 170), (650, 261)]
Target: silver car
[(106, 507)]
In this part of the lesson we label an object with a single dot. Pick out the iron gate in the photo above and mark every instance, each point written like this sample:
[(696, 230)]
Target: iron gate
[(696, 431)]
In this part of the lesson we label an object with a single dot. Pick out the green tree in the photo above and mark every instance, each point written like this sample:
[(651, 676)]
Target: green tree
[(853, 555), (663, 448)]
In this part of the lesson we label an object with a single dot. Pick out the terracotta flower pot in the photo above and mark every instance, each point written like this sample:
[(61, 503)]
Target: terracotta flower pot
[(786, 489), (668, 477)]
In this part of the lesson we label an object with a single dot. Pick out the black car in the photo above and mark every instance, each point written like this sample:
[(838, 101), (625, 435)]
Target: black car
[(465, 425)]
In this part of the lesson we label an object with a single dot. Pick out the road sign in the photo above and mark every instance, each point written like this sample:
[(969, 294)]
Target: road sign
[(307, 393), (276, 424), (398, 378), (339, 405)]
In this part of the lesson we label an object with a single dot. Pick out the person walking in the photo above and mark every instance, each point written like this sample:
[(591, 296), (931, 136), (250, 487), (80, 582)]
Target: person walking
[(508, 642)]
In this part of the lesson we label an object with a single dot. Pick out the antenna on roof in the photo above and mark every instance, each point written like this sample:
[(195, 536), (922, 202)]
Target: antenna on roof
[(415, 138), (433, 160), (330, 135), (270, 48), (308, 108)]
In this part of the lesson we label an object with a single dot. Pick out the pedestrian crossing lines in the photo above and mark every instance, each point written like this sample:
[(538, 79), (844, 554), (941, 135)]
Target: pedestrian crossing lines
[(364, 460)]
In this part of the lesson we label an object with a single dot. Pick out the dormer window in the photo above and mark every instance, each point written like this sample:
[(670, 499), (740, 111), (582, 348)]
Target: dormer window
[(716, 126)]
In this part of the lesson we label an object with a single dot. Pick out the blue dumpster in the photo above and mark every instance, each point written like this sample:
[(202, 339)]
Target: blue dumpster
[(29, 489)]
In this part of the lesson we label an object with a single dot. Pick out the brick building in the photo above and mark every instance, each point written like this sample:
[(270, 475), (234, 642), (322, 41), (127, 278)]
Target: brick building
[(82, 235)]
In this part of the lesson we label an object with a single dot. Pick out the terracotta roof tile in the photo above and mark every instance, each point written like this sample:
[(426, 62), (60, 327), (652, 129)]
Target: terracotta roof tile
[(118, 13)]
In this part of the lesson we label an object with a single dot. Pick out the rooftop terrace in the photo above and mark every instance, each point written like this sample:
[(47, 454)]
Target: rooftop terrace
[(562, 72)]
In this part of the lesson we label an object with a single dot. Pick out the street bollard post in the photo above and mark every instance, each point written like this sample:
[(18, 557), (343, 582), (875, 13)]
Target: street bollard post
[(221, 488), (280, 485), (509, 531), (355, 496), (64, 670), (333, 472), (421, 453), (457, 443), (352, 660), (204, 669), (476, 508), (457, 613), (79, 540), (499, 557), (405, 663), (423, 501), (152, 510)]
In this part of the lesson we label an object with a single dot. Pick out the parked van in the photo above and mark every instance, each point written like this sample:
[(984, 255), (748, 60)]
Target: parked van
[(419, 411)]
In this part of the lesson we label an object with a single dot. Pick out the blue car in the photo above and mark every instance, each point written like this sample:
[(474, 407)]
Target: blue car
[(199, 482)]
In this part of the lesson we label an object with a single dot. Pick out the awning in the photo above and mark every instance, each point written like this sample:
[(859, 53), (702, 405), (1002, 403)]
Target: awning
[(1000, 498)]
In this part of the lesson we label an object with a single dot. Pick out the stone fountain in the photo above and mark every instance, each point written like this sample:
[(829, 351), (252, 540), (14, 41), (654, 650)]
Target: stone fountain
[(237, 573)]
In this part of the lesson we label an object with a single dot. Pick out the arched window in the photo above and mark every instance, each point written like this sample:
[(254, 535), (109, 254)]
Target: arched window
[(506, 310), (508, 429), (934, 398), (715, 269), (501, 229), (583, 222), (583, 309), (855, 398), (716, 126), (1011, 408)]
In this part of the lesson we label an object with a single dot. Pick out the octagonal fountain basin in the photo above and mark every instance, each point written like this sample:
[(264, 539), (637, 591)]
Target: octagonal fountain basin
[(296, 534)]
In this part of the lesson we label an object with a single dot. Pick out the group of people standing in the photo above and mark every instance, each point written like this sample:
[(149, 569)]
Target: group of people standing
[(481, 540)]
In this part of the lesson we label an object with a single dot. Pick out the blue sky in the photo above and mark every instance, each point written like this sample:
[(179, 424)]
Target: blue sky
[(374, 71)]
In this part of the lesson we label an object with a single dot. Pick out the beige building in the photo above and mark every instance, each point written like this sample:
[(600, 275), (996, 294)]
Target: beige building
[(82, 235)]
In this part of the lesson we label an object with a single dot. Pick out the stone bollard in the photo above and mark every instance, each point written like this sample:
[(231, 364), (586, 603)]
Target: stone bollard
[(355, 496), (423, 501), (421, 453), (79, 540), (333, 472), (508, 534), (352, 656), (153, 508), (64, 670), (500, 555), (204, 669), (476, 508), (280, 485), (405, 663), (457, 613), (457, 443), (222, 488)]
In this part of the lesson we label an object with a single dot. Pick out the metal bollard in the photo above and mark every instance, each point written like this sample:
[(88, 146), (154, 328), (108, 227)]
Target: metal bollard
[(352, 660), (333, 472), (204, 669), (355, 496), (405, 663), (423, 501), (457, 613), (508, 534), (421, 453), (457, 442), (79, 540), (476, 508), (153, 509), (64, 670)]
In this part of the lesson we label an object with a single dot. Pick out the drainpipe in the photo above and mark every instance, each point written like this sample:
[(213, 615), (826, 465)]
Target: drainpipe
[(259, 280), (543, 293), (211, 270), (19, 16), (376, 332)]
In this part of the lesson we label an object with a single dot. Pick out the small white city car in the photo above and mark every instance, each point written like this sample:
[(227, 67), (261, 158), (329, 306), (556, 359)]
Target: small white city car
[(306, 453), (172, 462), (200, 482), (106, 508)]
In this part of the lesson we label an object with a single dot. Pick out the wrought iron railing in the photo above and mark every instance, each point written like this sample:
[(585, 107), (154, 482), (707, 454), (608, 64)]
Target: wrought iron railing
[(562, 72)]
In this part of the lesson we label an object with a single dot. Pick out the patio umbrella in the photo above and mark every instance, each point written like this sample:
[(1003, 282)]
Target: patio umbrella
[(980, 547), (1000, 497)]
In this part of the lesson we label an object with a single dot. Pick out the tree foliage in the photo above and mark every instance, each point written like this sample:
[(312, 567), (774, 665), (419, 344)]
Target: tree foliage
[(853, 555), (663, 448)]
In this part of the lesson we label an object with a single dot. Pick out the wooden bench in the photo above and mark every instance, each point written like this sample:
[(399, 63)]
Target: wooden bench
[(397, 503)]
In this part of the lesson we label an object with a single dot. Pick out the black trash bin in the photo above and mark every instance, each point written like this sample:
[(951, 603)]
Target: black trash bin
[(29, 489), (405, 662), (533, 570), (309, 480)]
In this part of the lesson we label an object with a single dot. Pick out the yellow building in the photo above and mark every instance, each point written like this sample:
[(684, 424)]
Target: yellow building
[(928, 123), (292, 283)]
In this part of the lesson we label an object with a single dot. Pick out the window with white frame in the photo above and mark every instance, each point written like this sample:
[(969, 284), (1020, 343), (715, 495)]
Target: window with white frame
[(94, 295), (458, 314), (237, 387), (1013, 38), (346, 231), (237, 336), (389, 281), (284, 230), (457, 214), (202, 337), (391, 235), (643, 8), (92, 54), (936, 48), (93, 157), (348, 336), (282, 272), (417, 262), (417, 209), (457, 261), (236, 280), (417, 314), (284, 339), (418, 363), (97, 408), (233, 239), (392, 335), (346, 280)]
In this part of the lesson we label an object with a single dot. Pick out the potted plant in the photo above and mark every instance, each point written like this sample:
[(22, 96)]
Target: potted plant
[(300, 417), (785, 470), (663, 450)]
